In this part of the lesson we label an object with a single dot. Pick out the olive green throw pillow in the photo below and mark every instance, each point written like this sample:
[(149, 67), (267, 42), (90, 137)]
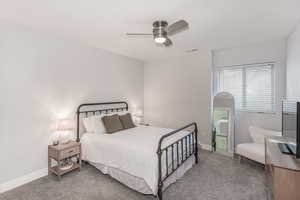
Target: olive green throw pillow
[(112, 123), (127, 121)]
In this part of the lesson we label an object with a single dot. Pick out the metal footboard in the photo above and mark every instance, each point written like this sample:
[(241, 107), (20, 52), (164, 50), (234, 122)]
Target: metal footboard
[(180, 150)]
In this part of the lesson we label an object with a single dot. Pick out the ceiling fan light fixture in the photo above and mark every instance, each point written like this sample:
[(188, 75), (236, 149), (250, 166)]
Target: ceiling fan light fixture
[(160, 39)]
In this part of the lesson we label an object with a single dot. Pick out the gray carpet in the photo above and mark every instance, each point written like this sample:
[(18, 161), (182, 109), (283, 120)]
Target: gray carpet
[(216, 177)]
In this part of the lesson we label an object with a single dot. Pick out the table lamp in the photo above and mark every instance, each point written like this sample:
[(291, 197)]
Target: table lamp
[(64, 131), (138, 116)]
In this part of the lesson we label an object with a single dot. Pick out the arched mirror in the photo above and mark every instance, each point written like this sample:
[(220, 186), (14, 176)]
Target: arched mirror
[(223, 136)]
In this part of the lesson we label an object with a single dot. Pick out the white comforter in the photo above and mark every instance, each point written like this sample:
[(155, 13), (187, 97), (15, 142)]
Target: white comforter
[(132, 150)]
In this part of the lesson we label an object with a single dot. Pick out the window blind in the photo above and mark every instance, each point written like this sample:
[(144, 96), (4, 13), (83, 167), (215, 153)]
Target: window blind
[(289, 105), (251, 85)]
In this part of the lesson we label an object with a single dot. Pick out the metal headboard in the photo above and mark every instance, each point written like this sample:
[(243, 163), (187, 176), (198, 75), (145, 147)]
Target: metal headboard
[(123, 106)]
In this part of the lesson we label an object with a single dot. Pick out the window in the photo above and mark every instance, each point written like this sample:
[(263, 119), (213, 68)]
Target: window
[(251, 85)]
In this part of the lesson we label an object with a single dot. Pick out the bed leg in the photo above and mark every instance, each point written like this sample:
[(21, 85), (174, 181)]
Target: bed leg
[(196, 143), (196, 154), (159, 193)]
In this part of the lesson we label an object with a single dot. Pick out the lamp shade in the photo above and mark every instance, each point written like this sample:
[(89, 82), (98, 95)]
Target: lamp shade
[(65, 124)]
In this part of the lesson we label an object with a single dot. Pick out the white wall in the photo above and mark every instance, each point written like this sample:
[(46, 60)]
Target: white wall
[(178, 92), (293, 64), (43, 78), (273, 51)]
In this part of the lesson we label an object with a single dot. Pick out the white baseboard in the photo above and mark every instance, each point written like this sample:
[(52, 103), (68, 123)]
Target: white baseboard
[(23, 180), (205, 147)]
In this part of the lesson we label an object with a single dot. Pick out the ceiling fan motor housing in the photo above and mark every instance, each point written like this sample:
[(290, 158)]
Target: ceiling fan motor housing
[(159, 29)]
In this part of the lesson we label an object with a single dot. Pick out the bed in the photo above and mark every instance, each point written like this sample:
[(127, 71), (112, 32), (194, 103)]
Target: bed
[(145, 158)]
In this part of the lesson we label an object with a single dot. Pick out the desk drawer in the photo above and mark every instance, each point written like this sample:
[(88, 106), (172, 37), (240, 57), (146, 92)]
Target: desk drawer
[(69, 152)]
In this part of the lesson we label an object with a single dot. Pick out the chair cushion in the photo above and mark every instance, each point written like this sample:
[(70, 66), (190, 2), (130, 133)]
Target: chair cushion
[(252, 151), (258, 134)]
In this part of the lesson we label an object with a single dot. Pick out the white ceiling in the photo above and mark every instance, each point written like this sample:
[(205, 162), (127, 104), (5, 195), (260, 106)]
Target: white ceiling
[(103, 23)]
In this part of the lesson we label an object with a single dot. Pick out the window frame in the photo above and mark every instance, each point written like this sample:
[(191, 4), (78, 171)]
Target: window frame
[(218, 70)]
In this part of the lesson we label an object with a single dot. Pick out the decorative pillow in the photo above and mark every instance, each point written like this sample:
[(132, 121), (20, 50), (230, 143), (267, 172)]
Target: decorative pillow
[(258, 134), (88, 124), (127, 121), (98, 124), (112, 123)]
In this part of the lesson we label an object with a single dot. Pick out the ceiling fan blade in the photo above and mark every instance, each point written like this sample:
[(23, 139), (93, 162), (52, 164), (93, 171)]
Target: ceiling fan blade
[(168, 42), (178, 27), (139, 34)]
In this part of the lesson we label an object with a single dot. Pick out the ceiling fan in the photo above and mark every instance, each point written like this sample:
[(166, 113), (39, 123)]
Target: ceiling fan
[(161, 31)]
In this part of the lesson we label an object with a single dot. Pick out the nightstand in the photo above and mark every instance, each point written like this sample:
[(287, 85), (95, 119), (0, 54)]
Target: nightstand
[(60, 153)]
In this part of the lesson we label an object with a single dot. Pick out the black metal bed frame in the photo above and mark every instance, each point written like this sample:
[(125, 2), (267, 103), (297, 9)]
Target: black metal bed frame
[(183, 148)]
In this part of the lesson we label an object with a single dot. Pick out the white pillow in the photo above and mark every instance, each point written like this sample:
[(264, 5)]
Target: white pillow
[(98, 124), (88, 124), (258, 134)]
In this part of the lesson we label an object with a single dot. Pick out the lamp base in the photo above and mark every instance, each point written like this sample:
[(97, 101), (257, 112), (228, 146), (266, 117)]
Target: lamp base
[(65, 137)]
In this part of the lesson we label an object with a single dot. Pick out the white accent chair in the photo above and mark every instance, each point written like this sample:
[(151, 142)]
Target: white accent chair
[(256, 150)]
